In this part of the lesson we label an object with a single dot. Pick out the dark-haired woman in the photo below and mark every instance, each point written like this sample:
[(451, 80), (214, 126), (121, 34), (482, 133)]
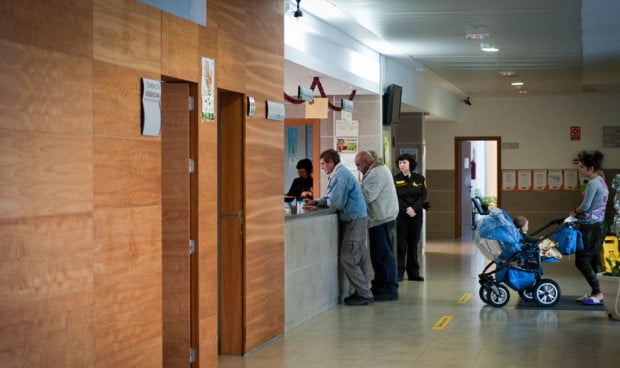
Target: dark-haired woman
[(591, 211), (411, 191), (301, 188)]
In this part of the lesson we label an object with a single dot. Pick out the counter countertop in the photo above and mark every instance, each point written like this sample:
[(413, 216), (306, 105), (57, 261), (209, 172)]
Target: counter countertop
[(310, 211)]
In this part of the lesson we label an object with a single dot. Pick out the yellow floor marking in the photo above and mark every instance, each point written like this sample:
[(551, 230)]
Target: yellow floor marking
[(464, 298), (443, 322)]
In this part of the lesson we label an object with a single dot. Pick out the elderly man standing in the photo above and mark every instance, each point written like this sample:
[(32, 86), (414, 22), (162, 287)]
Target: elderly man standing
[(345, 195), (382, 203)]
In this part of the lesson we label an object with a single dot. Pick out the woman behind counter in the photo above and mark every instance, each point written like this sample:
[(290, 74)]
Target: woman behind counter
[(411, 191), (302, 186)]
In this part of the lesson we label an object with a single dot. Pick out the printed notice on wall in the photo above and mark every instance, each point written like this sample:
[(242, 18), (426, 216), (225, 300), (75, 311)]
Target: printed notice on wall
[(509, 180), (554, 179), (524, 180), (540, 180), (571, 180), (208, 93)]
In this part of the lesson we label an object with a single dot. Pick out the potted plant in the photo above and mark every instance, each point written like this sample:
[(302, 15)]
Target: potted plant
[(610, 287)]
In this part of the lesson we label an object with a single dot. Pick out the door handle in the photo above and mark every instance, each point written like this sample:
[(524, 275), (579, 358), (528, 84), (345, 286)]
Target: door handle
[(238, 214)]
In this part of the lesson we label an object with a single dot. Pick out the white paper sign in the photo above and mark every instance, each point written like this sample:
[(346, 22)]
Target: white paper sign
[(540, 180), (151, 95), (554, 179), (509, 180)]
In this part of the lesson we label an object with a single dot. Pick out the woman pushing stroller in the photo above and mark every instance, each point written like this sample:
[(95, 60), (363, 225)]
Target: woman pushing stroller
[(591, 213)]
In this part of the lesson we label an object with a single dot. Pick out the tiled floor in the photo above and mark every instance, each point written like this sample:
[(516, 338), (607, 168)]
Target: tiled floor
[(402, 334)]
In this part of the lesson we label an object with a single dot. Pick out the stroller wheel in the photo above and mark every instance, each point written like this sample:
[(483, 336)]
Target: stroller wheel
[(484, 294), (527, 295), (546, 293), (498, 295)]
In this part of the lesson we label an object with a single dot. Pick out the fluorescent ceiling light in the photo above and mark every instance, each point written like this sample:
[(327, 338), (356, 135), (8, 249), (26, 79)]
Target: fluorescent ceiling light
[(516, 84)]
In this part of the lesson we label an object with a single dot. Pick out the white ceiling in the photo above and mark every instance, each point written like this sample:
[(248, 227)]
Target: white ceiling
[(554, 46)]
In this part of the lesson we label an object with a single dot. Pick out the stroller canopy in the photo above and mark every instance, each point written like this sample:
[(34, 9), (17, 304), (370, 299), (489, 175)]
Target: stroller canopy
[(498, 226)]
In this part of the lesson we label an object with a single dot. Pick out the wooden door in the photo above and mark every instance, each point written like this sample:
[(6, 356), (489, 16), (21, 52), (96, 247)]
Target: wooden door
[(176, 224), (231, 223)]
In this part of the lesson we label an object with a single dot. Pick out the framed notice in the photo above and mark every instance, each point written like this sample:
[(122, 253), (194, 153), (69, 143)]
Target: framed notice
[(554, 179), (571, 180), (524, 180), (509, 180), (539, 180)]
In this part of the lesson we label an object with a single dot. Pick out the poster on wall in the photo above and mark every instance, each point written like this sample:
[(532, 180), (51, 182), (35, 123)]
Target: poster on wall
[(346, 144), (207, 88), (509, 180), (292, 141), (571, 180), (539, 180), (554, 179), (524, 180)]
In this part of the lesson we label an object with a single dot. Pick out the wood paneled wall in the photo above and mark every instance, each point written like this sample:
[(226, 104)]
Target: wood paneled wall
[(80, 187)]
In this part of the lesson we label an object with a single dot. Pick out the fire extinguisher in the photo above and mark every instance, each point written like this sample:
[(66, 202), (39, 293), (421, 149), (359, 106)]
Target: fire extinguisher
[(472, 166)]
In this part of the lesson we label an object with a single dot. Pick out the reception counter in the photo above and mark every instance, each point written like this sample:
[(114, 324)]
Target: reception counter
[(311, 265)]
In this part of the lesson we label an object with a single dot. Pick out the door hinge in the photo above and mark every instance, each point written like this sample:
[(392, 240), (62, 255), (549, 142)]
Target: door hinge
[(192, 104), (192, 165), (192, 246), (192, 355)]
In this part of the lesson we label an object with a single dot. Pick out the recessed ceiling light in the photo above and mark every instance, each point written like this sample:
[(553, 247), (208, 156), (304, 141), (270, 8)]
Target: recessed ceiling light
[(507, 73), (516, 84), (477, 36), (487, 47), (522, 91)]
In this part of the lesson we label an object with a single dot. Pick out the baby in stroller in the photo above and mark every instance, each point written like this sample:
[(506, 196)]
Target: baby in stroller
[(516, 259)]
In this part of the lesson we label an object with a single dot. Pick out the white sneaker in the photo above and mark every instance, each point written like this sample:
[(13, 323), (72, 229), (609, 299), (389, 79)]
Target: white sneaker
[(582, 298)]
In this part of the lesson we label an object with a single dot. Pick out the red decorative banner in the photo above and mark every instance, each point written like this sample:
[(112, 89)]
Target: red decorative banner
[(317, 83)]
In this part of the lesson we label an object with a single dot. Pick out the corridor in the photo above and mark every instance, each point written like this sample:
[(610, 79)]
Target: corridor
[(443, 323)]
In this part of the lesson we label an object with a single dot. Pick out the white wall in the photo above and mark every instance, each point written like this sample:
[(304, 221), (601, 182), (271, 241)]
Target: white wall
[(540, 124)]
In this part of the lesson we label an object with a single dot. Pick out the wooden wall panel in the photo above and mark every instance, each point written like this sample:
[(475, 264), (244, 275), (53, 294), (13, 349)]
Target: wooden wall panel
[(56, 332), (127, 173), (263, 20), (230, 71), (43, 257), (267, 70), (127, 243), (231, 20), (60, 25), (37, 82), (44, 174), (117, 102), (128, 280), (127, 33), (264, 232), (128, 328), (180, 47)]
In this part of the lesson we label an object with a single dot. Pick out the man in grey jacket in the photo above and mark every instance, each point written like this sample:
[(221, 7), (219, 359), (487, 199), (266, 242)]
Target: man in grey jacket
[(382, 202)]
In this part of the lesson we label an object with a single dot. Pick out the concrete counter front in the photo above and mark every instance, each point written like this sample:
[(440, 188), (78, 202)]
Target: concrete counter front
[(311, 265)]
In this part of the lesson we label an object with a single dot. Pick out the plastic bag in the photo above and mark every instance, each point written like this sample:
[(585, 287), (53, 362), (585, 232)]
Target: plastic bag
[(569, 240)]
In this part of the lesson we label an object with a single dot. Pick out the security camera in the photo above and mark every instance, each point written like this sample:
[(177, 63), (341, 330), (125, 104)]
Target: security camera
[(298, 12), (467, 101)]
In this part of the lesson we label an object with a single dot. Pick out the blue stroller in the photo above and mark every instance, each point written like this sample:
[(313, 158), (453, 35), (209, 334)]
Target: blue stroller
[(518, 263)]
